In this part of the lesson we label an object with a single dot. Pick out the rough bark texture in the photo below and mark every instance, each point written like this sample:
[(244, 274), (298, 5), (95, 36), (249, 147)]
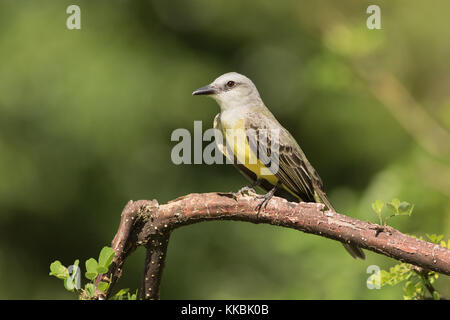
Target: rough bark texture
[(146, 223)]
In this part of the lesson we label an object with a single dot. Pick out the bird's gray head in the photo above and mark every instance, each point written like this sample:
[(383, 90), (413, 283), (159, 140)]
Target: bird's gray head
[(231, 90)]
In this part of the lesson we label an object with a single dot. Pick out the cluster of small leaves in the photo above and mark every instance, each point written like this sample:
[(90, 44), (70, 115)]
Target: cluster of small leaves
[(125, 294), (416, 283), (68, 275), (435, 238), (71, 276), (396, 208)]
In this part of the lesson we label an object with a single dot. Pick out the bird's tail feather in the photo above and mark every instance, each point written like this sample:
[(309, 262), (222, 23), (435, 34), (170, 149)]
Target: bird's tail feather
[(355, 251)]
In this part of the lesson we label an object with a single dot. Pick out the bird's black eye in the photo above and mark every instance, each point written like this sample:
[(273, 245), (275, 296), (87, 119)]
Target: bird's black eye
[(230, 84)]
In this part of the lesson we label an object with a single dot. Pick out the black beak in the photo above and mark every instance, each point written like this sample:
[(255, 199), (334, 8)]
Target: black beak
[(204, 90)]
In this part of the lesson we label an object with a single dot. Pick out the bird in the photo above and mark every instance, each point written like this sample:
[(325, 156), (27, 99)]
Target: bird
[(247, 128)]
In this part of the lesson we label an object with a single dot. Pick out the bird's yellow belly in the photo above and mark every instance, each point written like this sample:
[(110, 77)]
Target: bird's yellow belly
[(236, 139)]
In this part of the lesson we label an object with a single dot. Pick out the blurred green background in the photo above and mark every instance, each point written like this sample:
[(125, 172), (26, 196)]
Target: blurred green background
[(86, 117)]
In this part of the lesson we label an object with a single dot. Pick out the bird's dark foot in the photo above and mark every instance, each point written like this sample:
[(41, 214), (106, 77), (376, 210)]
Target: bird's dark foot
[(266, 198)]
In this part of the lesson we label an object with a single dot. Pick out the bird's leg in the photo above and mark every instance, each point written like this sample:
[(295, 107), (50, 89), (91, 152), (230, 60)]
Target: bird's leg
[(266, 198)]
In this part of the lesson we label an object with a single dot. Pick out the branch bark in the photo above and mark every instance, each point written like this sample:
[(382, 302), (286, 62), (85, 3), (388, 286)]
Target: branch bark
[(146, 223)]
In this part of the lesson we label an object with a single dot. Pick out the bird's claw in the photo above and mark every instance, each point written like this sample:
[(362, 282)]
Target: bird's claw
[(265, 200), (247, 190)]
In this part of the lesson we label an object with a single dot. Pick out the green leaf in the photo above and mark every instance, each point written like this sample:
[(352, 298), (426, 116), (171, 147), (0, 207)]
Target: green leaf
[(69, 284), (102, 269), (91, 265), (405, 208), (410, 290), (434, 237), (122, 292), (58, 270), (91, 275), (392, 207), (395, 202), (90, 290), (91, 269), (106, 257), (120, 295), (103, 286), (132, 296), (377, 206)]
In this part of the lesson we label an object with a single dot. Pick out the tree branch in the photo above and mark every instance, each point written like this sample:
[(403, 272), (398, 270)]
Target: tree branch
[(154, 265), (146, 223)]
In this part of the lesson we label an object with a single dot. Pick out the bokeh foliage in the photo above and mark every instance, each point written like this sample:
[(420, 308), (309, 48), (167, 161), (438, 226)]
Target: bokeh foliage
[(86, 117)]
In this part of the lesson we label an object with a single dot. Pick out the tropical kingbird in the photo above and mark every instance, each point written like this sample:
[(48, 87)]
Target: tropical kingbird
[(243, 116)]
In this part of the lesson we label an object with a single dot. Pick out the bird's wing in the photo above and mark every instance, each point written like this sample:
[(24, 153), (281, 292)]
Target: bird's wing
[(294, 170)]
